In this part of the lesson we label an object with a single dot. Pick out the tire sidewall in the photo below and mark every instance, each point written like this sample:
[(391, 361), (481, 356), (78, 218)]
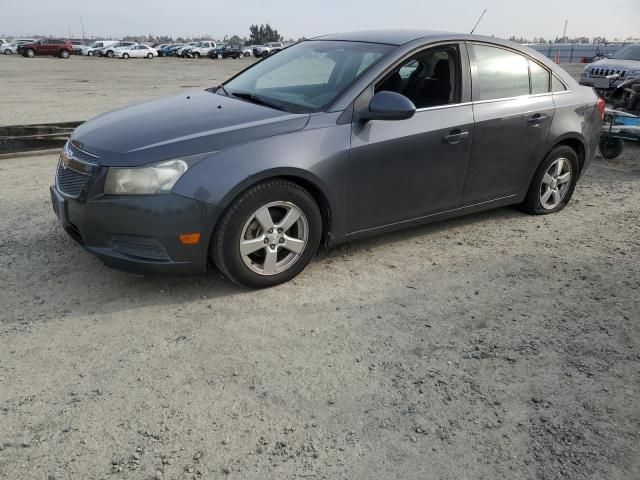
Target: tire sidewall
[(227, 236), (533, 196)]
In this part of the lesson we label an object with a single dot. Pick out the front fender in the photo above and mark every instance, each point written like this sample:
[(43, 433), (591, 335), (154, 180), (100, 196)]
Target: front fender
[(317, 156)]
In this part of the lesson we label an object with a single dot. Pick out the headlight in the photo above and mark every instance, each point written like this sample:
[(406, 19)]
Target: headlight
[(154, 179)]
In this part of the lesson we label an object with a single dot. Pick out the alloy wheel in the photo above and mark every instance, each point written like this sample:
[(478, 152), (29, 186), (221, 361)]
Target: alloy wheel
[(555, 183), (273, 238)]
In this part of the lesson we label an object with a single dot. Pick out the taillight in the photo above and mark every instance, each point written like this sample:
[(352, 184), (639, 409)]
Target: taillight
[(601, 106)]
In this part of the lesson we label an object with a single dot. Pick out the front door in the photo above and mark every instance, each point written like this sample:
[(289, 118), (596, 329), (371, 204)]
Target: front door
[(402, 170)]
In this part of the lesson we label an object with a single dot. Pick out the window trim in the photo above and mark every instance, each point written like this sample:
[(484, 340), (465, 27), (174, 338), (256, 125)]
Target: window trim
[(474, 74)]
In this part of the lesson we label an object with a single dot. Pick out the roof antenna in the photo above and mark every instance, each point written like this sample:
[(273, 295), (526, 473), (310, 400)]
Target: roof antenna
[(474, 27)]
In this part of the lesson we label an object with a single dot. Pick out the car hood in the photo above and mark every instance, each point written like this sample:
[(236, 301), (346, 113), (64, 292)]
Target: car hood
[(617, 64), (179, 126)]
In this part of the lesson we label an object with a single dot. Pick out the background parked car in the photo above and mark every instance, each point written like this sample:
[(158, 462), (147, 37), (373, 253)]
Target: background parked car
[(267, 49), (201, 49), (136, 51), (167, 50), (11, 48), (620, 66), (109, 51), (77, 46), (53, 47), (178, 51), (233, 51), (248, 50), (96, 47)]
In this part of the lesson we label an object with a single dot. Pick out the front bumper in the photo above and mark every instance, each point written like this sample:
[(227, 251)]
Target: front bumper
[(139, 234)]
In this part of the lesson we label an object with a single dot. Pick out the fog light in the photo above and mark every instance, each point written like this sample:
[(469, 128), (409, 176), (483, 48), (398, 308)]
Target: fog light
[(189, 238)]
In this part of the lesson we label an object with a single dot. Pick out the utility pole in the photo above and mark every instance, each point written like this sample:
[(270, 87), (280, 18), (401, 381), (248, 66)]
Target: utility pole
[(564, 32), (82, 25)]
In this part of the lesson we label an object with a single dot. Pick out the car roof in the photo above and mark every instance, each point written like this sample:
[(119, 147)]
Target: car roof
[(390, 37)]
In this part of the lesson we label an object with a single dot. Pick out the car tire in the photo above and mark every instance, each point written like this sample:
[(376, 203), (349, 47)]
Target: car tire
[(219, 56), (149, 55), (64, 54), (29, 53), (551, 189), (246, 54), (269, 264), (125, 55), (110, 54), (196, 55), (8, 52), (610, 148)]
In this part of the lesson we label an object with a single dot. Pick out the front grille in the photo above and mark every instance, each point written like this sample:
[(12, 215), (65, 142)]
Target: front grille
[(603, 72), (73, 151), (70, 182)]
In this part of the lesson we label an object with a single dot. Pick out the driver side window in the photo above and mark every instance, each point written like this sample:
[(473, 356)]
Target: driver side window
[(429, 78)]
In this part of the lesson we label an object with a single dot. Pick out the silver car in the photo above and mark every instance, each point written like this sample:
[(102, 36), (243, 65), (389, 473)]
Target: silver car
[(613, 70)]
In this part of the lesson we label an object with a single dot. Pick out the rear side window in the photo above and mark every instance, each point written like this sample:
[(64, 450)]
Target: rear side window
[(557, 85), (539, 78), (501, 73)]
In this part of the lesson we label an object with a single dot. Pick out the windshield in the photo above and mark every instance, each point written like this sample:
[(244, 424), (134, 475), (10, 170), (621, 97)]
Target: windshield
[(630, 52), (308, 76)]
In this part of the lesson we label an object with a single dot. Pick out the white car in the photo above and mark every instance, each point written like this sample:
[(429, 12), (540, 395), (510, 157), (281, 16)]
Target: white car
[(248, 51), (136, 51), (96, 47), (267, 49), (200, 49), (11, 48), (182, 48)]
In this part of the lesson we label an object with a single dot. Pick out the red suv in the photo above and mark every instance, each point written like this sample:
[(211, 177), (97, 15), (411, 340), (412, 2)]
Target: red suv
[(47, 46)]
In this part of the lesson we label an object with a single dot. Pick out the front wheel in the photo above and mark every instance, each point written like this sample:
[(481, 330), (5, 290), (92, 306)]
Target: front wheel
[(149, 55), (8, 51), (110, 54), (196, 55), (219, 56), (125, 55), (30, 53), (553, 183), (268, 235), (610, 148)]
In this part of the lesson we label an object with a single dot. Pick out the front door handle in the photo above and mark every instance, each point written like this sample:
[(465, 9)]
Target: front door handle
[(536, 119), (455, 136)]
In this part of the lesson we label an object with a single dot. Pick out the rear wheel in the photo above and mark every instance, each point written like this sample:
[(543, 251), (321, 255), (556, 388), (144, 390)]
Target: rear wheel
[(125, 55), (196, 54), (219, 56), (8, 51), (64, 54), (149, 55), (610, 148), (268, 235), (553, 183), (110, 54)]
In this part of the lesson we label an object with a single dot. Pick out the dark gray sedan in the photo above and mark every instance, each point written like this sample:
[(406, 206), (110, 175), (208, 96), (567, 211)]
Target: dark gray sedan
[(329, 140)]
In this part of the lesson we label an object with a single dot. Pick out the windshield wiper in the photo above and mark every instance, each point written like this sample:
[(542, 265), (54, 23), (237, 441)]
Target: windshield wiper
[(258, 100), (224, 90)]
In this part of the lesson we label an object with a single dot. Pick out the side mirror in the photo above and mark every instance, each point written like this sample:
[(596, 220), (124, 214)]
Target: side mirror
[(389, 106)]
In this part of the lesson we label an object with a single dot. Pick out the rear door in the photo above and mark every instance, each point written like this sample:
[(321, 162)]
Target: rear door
[(512, 109)]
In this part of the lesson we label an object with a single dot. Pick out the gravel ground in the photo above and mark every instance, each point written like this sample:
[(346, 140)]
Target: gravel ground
[(494, 346)]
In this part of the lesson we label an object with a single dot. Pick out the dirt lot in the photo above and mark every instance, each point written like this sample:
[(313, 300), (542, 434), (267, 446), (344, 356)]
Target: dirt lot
[(82, 87), (495, 346)]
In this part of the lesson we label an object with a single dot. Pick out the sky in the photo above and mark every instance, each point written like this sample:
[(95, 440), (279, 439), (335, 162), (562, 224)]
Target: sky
[(297, 18)]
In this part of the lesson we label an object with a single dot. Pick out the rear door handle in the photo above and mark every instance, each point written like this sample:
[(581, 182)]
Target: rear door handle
[(455, 136), (536, 119)]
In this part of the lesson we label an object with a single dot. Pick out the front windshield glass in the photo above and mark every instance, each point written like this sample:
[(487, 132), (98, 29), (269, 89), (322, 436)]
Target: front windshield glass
[(630, 52), (308, 76)]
